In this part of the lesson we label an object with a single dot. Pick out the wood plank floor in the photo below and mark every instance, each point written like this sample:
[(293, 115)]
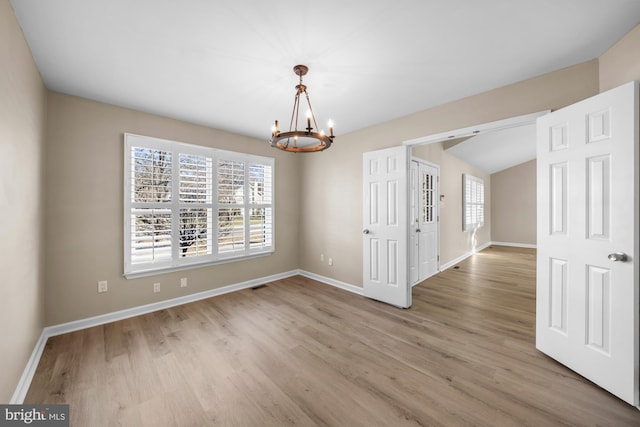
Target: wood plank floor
[(297, 352)]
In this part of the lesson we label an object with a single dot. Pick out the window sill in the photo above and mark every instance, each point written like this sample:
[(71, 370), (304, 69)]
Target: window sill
[(164, 270)]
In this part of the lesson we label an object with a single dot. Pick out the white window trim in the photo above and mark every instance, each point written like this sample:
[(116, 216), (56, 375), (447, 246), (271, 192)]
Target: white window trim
[(470, 200), (177, 263)]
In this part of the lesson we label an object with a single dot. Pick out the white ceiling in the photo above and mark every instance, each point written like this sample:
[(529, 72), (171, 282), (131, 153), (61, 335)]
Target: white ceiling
[(494, 151), (228, 63)]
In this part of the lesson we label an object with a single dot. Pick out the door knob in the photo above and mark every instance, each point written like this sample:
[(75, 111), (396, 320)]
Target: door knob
[(618, 256), (365, 231), (418, 230)]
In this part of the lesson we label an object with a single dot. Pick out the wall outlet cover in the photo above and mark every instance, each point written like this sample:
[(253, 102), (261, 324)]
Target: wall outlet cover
[(103, 286)]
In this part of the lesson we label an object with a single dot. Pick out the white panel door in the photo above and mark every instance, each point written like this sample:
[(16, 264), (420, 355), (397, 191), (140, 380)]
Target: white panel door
[(587, 273), (428, 220), (414, 225), (385, 226)]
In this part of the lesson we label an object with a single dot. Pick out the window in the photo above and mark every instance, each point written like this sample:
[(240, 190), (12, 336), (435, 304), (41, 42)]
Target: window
[(189, 205), (472, 202), (428, 203)]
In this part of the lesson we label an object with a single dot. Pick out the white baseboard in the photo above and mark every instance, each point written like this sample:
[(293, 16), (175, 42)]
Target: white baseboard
[(161, 305), (428, 277), (51, 331), (453, 262), (482, 247), (29, 371), (329, 281), (515, 245)]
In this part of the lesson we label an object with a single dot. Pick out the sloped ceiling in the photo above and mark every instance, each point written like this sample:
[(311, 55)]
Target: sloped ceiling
[(492, 152)]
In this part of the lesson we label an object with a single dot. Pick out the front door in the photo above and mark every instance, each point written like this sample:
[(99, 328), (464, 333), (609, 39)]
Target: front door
[(428, 218), (587, 272), (385, 226), (414, 225), (423, 222)]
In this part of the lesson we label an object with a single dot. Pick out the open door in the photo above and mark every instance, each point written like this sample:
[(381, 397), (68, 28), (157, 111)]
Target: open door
[(385, 226), (587, 268)]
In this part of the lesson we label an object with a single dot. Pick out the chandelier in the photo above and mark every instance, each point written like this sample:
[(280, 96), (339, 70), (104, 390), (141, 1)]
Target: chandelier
[(301, 141)]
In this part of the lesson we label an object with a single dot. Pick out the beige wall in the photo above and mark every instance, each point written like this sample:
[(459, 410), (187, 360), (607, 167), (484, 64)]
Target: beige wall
[(332, 180), (84, 203), (513, 205), (621, 63), (22, 119)]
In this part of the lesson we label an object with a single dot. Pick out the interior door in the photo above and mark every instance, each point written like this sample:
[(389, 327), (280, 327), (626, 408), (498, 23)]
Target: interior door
[(385, 226), (428, 220), (587, 272)]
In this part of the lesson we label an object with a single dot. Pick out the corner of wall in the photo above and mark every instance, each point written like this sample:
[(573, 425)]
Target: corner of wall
[(22, 132)]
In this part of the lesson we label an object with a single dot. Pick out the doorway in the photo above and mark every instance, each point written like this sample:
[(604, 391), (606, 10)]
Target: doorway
[(386, 217)]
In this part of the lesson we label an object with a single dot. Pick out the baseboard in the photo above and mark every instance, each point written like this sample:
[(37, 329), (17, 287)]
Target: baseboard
[(161, 305), (29, 371), (333, 282), (453, 262), (482, 247), (426, 278), (515, 245), (50, 331), (448, 265)]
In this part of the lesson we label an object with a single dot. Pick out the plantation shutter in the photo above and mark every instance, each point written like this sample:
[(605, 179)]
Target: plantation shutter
[(261, 199), (150, 197), (473, 202), (192, 205)]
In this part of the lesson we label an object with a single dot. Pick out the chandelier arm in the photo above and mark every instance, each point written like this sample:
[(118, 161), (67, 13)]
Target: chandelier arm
[(313, 115), (295, 112)]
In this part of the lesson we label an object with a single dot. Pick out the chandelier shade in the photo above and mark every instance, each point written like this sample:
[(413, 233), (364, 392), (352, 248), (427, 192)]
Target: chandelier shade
[(301, 139)]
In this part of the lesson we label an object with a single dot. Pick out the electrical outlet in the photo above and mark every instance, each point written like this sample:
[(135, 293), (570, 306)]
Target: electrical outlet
[(321, 257), (156, 287), (183, 282), (103, 286), (330, 261)]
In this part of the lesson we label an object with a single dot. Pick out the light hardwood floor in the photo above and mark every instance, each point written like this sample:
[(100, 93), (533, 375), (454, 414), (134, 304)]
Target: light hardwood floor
[(297, 352)]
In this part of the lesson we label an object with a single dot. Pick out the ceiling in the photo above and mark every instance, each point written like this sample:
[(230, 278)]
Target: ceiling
[(494, 151), (228, 63)]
